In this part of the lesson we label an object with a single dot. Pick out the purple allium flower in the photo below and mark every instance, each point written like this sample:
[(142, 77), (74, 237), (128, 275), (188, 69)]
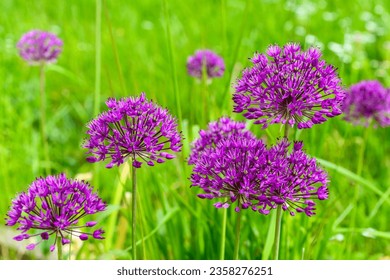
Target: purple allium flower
[(207, 59), (133, 128), (290, 87), (366, 102), (54, 205), (230, 171), (38, 47), (291, 180), (218, 130)]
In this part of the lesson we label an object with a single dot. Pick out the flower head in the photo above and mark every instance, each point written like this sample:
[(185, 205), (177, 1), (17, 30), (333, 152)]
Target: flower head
[(133, 128), (240, 169), (290, 86), (218, 130), (366, 102), (53, 206), (230, 171), (292, 180), (39, 46), (205, 60)]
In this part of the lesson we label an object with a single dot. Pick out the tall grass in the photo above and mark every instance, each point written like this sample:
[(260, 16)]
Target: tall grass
[(144, 47)]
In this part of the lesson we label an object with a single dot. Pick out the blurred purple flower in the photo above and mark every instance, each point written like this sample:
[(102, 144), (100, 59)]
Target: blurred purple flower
[(218, 130), (213, 64), (54, 205), (38, 47), (291, 180), (230, 171), (291, 87), (133, 128), (368, 102)]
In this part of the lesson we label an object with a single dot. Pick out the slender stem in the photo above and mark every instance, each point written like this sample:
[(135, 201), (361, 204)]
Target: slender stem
[(277, 231), (98, 68), (359, 170), (134, 206), (238, 231), (286, 127), (279, 214), (98, 61), (43, 117), (59, 248), (223, 235), (205, 90), (362, 150)]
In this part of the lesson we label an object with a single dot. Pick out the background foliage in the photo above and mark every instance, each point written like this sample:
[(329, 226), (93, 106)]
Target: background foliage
[(144, 47)]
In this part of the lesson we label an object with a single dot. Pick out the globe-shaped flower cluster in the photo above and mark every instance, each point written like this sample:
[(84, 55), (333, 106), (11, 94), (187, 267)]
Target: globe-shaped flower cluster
[(133, 129), (239, 169), (368, 102), (38, 47), (205, 60), (289, 86), (54, 206), (217, 131)]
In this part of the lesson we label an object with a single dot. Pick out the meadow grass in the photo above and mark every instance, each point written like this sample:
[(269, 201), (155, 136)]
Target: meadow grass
[(144, 47)]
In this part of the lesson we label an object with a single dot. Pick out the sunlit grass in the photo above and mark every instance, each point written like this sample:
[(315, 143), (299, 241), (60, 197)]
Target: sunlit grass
[(138, 54)]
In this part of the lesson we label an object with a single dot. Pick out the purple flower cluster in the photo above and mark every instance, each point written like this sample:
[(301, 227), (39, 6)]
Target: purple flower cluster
[(291, 180), (290, 87), (238, 168), (368, 102), (218, 130), (133, 128), (54, 205), (205, 60), (38, 47)]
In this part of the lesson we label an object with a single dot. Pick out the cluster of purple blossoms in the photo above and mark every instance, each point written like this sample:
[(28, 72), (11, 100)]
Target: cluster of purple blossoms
[(290, 87), (54, 205), (38, 47), (291, 180), (238, 168), (133, 128), (217, 130), (205, 60), (229, 171), (368, 102)]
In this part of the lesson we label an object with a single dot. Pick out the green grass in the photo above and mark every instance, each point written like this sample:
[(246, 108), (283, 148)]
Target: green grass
[(144, 47)]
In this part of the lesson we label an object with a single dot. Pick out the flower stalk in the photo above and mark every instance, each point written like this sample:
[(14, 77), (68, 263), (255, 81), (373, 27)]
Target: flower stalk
[(43, 102), (237, 239), (134, 211), (59, 248)]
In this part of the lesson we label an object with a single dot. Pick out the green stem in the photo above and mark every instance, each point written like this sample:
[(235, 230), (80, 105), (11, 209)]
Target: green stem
[(362, 150), (238, 231), (279, 214), (277, 231), (43, 117), (205, 91), (223, 235), (357, 191), (98, 61), (134, 206), (98, 68), (286, 127), (59, 248)]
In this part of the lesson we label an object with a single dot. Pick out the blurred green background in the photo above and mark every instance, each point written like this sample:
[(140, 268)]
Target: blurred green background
[(144, 47)]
